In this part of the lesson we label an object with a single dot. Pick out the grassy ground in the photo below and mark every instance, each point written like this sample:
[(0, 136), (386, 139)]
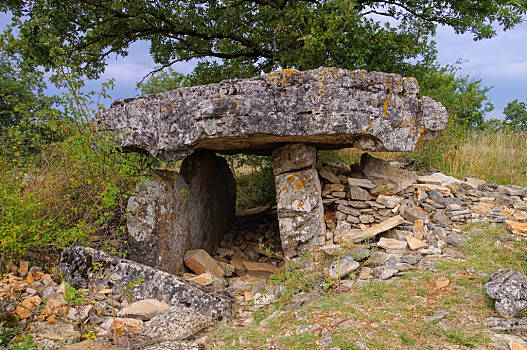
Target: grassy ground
[(396, 314)]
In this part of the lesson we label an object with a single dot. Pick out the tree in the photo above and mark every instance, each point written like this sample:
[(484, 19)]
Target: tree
[(240, 38), (464, 97), (516, 114), (22, 93)]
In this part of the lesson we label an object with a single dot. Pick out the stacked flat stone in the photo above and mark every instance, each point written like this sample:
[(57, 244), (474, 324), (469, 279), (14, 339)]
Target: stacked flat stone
[(412, 219)]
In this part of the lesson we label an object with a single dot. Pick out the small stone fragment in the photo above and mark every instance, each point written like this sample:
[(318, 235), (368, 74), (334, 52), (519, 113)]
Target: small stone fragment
[(414, 243), (419, 229), (518, 228), (442, 282), (23, 268), (329, 175), (374, 230), (390, 243), (389, 201), (200, 261), (144, 309), (28, 306)]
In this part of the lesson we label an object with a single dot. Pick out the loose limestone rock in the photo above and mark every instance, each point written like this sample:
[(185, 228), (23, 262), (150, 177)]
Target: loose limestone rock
[(328, 107), (200, 261), (509, 288), (389, 179), (342, 267), (144, 309)]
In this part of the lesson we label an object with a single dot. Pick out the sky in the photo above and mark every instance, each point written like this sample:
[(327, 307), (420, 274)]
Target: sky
[(500, 62)]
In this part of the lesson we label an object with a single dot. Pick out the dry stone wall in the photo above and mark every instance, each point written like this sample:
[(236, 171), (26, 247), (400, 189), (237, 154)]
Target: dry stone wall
[(401, 221)]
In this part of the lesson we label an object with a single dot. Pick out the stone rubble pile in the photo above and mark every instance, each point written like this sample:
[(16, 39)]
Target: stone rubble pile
[(248, 254), (409, 219)]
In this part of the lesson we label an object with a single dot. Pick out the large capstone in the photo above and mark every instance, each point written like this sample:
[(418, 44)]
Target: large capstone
[(172, 213), (328, 107)]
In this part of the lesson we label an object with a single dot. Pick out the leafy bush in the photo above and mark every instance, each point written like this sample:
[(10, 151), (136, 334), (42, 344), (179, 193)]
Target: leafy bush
[(73, 190)]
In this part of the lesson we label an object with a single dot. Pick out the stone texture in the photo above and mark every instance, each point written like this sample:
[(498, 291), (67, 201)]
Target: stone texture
[(357, 193), (509, 288), (360, 182), (144, 309), (173, 213), (176, 324), (83, 267), (374, 230), (293, 156), (28, 306), (389, 201), (518, 228), (199, 261), (342, 267), (300, 209), (329, 107), (414, 243), (389, 179), (390, 243)]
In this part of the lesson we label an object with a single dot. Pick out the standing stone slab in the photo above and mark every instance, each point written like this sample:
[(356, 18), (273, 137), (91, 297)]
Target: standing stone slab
[(299, 202), (173, 213)]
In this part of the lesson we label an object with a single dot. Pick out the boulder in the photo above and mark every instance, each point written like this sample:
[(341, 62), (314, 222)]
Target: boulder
[(389, 179), (509, 288), (86, 267), (176, 324), (172, 213), (328, 107)]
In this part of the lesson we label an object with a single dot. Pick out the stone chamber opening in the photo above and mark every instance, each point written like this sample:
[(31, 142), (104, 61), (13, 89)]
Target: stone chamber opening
[(223, 204)]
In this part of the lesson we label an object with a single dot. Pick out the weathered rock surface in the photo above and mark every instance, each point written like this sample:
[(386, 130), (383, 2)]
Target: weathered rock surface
[(173, 213), (329, 107), (83, 266), (509, 288), (299, 201), (176, 324)]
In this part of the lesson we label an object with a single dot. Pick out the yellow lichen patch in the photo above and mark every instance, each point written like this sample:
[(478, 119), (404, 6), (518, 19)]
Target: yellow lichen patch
[(290, 179), (299, 185), (421, 135), (300, 205), (385, 106), (284, 74), (321, 90), (362, 75), (284, 188)]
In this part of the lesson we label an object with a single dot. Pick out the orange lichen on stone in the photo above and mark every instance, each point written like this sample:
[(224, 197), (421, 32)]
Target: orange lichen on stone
[(284, 74), (290, 179), (299, 185), (300, 205), (421, 135)]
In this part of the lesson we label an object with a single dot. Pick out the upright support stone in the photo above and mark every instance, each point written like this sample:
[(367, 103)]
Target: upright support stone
[(173, 213), (298, 198)]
